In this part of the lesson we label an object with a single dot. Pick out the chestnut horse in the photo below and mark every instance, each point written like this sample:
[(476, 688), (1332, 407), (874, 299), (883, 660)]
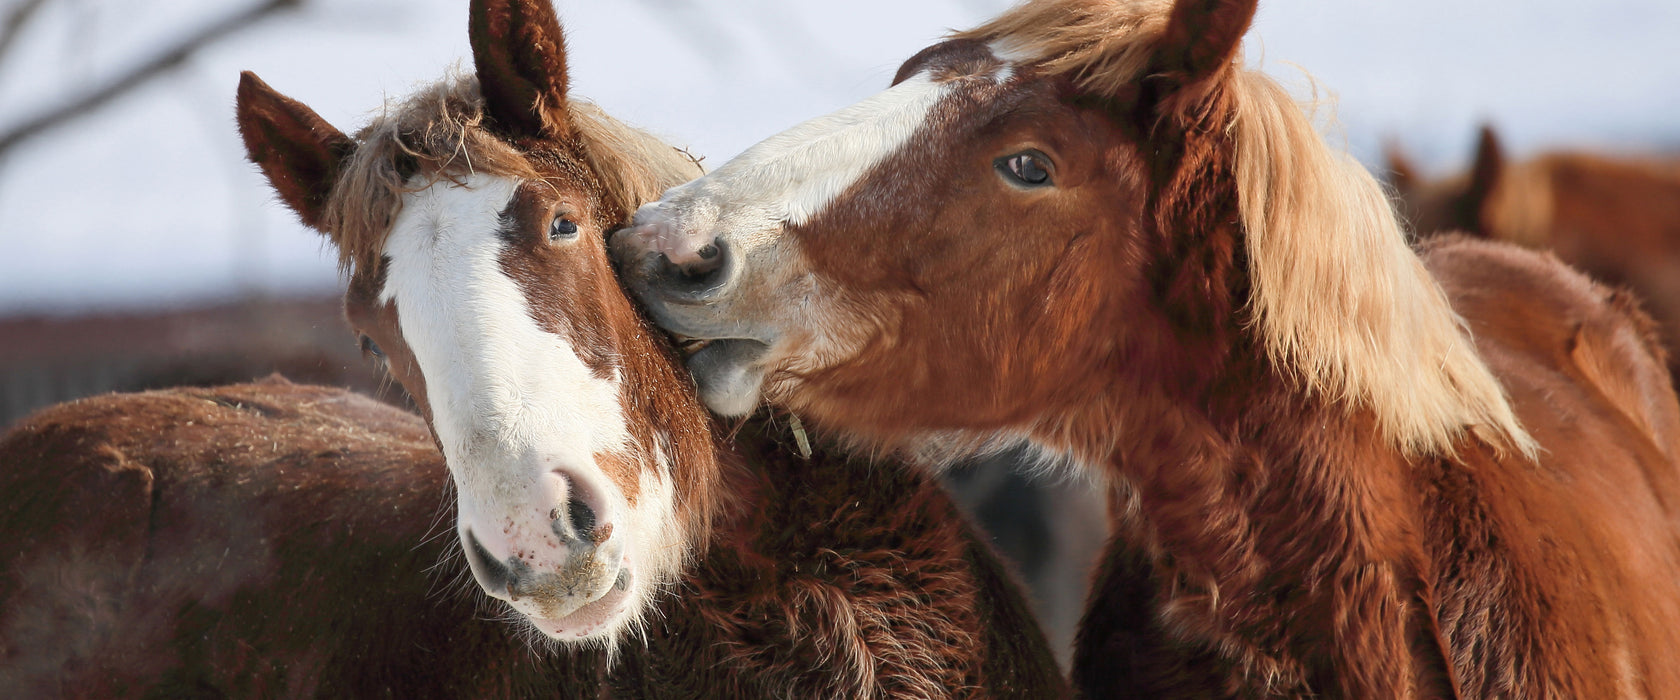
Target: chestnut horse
[(1340, 467), (1618, 219), (472, 220), (280, 540)]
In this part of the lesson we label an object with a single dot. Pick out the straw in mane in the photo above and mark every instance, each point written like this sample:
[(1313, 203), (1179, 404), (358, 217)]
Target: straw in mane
[(439, 133), (1339, 299)]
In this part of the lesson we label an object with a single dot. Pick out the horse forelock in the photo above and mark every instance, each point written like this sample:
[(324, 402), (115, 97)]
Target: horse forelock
[(441, 133)]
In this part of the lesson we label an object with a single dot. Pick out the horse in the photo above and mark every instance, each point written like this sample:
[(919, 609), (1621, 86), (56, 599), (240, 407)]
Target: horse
[(1616, 218), (471, 220), (280, 540), (1338, 466)]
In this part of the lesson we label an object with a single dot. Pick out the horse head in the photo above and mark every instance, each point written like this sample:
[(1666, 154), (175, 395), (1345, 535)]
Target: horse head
[(471, 219)]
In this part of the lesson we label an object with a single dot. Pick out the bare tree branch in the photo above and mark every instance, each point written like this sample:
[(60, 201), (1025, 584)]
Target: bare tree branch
[(140, 73), (12, 26)]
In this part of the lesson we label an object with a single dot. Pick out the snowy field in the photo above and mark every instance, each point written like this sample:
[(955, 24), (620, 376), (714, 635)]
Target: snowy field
[(148, 202)]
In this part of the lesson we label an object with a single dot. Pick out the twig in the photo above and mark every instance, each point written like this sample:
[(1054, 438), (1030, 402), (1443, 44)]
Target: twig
[(12, 26), (142, 73)]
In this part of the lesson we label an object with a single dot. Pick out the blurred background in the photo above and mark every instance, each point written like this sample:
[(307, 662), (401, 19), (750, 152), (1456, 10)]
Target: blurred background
[(138, 249)]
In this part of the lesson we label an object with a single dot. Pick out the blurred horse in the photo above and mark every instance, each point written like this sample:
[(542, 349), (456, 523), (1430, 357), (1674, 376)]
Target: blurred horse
[(1616, 218)]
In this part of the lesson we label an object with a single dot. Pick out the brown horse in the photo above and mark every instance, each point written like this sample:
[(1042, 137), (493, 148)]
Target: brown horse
[(1616, 218), (280, 540), (472, 220), (1086, 226)]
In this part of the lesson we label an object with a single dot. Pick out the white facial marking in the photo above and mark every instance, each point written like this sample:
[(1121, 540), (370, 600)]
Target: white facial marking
[(1010, 53), (514, 405), (790, 177), (499, 386)]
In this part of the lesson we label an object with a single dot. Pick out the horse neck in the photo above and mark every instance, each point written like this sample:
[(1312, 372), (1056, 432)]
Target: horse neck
[(1273, 522), (1259, 500)]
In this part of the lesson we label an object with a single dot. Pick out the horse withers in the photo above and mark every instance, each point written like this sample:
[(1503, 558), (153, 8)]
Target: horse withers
[(1338, 467)]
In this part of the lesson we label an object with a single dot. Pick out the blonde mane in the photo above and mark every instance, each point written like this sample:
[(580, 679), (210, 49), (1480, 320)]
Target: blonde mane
[(1339, 298), (439, 133), (1103, 45)]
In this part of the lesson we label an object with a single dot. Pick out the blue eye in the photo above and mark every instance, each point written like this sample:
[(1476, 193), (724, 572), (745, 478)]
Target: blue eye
[(371, 348), (562, 228)]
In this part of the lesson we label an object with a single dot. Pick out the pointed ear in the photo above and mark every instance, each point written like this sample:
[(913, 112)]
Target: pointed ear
[(298, 150), (1402, 173), (520, 55), (1485, 173), (1202, 38)]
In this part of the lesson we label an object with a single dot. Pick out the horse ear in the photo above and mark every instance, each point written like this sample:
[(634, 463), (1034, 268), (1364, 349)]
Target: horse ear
[(1484, 177), (1402, 173), (298, 150), (519, 53), (1202, 38)]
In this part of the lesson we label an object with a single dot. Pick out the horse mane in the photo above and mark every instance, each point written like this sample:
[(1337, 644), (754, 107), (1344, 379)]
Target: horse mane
[(1338, 294), (440, 132), (1102, 45), (1339, 299)]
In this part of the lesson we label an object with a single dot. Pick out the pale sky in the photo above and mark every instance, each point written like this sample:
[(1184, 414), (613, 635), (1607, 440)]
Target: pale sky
[(149, 202)]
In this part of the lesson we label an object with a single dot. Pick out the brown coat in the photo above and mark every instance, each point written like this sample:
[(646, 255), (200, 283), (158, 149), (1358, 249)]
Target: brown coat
[(281, 540)]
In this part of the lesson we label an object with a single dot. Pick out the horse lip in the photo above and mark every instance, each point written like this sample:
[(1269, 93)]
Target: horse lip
[(745, 348), (590, 616), (721, 354), (742, 350), (689, 297)]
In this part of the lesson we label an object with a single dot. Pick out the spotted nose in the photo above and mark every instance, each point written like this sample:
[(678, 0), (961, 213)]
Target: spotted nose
[(554, 561)]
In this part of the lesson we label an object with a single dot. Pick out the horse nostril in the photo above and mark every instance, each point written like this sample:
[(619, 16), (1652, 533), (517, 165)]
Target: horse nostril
[(710, 260), (698, 272), (491, 574), (582, 517)]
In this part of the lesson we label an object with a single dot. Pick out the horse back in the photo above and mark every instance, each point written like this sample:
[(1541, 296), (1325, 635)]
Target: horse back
[(280, 540), (262, 540), (1577, 553)]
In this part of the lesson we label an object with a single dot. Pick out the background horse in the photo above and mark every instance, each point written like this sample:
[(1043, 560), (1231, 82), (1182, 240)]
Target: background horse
[(472, 221), (280, 540), (1086, 226), (1616, 218)]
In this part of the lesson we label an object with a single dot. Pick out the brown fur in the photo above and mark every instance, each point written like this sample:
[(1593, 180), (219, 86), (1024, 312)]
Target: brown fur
[(280, 540), (1341, 469), (786, 552), (1616, 218)]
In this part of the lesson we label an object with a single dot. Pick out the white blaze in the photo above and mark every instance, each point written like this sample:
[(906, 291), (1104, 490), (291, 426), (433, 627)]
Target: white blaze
[(501, 389), (790, 177)]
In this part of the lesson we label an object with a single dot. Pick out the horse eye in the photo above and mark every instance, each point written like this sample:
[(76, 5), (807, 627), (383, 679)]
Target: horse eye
[(1024, 169), (371, 348), (562, 228)]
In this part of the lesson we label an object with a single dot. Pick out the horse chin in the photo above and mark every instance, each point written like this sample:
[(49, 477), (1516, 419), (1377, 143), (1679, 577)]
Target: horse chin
[(601, 620), (729, 375)]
